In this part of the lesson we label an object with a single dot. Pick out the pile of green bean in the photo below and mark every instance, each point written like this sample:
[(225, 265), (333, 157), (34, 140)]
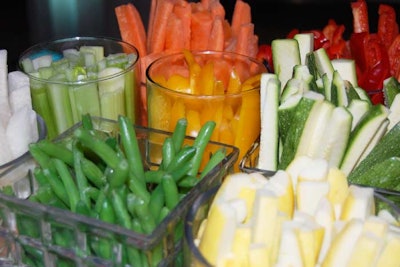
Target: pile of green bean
[(103, 176)]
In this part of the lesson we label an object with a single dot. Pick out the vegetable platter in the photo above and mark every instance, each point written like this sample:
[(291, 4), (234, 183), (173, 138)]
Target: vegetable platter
[(107, 192)]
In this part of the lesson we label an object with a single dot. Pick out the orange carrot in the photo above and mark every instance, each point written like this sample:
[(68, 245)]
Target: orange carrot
[(241, 15), (183, 11), (131, 27), (153, 7), (245, 39), (200, 30), (174, 42), (216, 40), (217, 9), (206, 4), (157, 38)]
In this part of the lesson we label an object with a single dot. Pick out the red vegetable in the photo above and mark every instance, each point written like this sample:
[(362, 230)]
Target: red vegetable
[(388, 28), (360, 16), (265, 54), (371, 59)]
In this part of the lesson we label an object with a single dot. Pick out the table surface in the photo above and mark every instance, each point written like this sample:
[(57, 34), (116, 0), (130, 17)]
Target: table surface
[(26, 22)]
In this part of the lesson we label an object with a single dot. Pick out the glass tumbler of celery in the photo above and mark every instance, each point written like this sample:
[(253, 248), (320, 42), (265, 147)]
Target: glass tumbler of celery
[(82, 75), (207, 85)]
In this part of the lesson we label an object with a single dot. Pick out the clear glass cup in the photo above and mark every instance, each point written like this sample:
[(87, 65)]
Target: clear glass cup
[(219, 86), (80, 75)]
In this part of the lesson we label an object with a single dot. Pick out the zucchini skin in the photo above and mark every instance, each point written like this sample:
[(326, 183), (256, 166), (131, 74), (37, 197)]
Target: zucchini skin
[(381, 167)]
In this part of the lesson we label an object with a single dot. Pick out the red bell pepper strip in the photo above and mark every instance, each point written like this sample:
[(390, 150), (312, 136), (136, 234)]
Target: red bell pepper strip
[(394, 57), (372, 60), (360, 16), (388, 28), (265, 54)]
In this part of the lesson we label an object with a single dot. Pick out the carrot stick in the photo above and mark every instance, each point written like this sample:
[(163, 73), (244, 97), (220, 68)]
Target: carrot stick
[(245, 40), (241, 15), (131, 27), (216, 40), (200, 30), (153, 7), (174, 42), (157, 38), (183, 11), (217, 9), (206, 3)]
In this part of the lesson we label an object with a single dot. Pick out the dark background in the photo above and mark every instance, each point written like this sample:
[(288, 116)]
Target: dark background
[(27, 22)]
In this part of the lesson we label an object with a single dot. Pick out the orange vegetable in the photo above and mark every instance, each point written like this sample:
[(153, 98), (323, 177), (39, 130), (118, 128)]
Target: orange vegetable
[(159, 26), (202, 23), (174, 42), (247, 42), (217, 40), (183, 11), (131, 27), (241, 15)]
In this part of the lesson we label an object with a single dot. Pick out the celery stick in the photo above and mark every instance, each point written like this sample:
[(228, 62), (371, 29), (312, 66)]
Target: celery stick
[(84, 99), (112, 93), (40, 104), (60, 103)]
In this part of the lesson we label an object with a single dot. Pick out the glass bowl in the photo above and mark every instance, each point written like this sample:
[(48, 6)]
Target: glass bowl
[(56, 236), (199, 210), (78, 75)]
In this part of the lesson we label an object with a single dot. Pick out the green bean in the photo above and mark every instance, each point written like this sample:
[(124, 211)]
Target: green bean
[(182, 158), (157, 200), (56, 150), (154, 176), (45, 194), (171, 193), (179, 173), (107, 213), (144, 215), (121, 212), (92, 193), (188, 181), (118, 176), (131, 147), (87, 122), (215, 159), (93, 173), (81, 181), (168, 153), (163, 213), (138, 189), (179, 133), (134, 256), (137, 226), (68, 181), (41, 157), (200, 143), (99, 147), (57, 186), (82, 208), (39, 176), (130, 204), (120, 167)]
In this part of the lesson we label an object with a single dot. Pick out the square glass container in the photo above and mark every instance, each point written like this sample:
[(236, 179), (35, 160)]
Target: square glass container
[(39, 235), (199, 210)]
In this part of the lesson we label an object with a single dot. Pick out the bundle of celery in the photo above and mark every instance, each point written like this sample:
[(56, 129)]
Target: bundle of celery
[(76, 81)]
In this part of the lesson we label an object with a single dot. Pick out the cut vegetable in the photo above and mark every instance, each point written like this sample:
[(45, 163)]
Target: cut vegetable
[(269, 140), (362, 135), (286, 55)]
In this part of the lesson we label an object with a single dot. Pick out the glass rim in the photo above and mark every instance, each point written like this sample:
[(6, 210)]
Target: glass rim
[(203, 52), (44, 44)]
